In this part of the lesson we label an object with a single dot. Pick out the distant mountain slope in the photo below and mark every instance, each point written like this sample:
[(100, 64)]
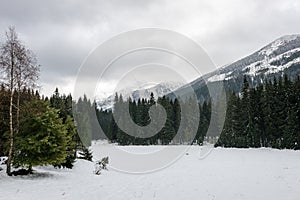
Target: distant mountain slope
[(282, 56), (274, 58), (142, 92)]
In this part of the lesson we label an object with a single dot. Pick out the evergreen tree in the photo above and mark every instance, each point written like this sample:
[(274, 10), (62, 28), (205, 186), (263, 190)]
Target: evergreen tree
[(291, 131), (176, 117), (244, 117), (42, 139), (4, 123), (82, 110), (229, 132), (63, 104)]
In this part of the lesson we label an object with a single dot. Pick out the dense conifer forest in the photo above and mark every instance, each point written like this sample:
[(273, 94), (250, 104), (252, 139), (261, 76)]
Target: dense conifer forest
[(263, 116)]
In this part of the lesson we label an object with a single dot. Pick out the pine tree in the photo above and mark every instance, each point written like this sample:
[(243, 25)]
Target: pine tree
[(152, 102), (291, 130), (63, 104), (42, 139), (81, 111), (176, 116), (226, 138), (71, 143), (4, 120), (245, 139), (254, 131)]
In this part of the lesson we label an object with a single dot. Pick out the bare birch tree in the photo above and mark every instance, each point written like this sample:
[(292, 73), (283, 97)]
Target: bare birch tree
[(19, 68)]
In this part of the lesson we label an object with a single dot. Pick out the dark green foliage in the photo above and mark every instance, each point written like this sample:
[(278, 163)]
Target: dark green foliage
[(82, 114), (104, 118), (63, 104), (205, 112), (265, 116), (168, 131), (25, 96), (4, 112), (42, 137), (47, 133), (71, 143), (139, 113)]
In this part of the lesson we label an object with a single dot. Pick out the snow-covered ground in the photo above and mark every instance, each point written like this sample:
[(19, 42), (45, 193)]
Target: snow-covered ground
[(224, 174)]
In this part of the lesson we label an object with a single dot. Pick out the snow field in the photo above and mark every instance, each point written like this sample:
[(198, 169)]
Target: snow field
[(223, 174)]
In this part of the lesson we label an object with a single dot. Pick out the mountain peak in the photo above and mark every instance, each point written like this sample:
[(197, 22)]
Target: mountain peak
[(288, 38), (143, 91), (280, 56), (273, 46)]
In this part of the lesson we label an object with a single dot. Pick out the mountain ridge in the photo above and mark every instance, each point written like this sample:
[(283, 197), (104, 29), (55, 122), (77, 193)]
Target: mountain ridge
[(281, 56), (158, 90)]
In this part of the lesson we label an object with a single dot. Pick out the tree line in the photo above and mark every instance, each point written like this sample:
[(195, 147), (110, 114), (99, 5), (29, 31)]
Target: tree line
[(139, 113), (264, 116), (94, 123), (267, 115)]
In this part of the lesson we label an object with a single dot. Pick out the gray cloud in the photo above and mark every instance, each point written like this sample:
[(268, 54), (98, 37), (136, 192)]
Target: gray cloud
[(62, 33)]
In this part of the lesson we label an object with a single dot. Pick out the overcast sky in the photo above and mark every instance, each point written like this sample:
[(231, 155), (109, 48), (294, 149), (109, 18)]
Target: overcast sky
[(62, 33)]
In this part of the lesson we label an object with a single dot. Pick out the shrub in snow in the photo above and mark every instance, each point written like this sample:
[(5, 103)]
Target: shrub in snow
[(22, 172), (86, 154), (3, 160), (100, 165)]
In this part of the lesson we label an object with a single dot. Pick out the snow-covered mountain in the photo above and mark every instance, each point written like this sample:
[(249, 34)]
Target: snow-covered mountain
[(143, 91), (281, 56), (276, 57)]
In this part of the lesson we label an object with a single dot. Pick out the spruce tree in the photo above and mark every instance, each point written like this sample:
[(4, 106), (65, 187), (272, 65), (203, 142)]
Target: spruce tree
[(42, 139)]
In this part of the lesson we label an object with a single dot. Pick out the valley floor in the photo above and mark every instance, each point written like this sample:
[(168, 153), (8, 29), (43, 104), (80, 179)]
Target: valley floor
[(233, 174)]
